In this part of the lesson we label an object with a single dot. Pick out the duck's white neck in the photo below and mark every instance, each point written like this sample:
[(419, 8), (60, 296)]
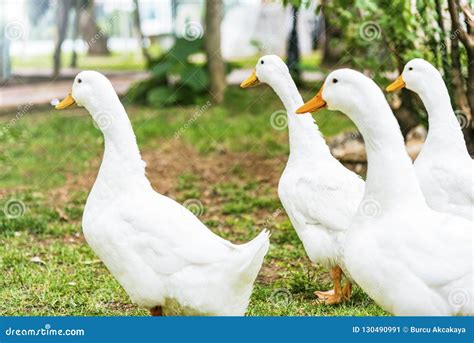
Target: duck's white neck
[(444, 130), (304, 136), (122, 160), (390, 175)]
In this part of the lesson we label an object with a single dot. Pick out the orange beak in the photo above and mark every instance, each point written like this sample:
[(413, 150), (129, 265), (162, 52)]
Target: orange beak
[(314, 104), (68, 101), (251, 81), (399, 83)]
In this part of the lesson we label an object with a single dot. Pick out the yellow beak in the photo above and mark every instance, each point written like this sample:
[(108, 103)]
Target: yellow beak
[(314, 104), (252, 80), (68, 101), (399, 83)]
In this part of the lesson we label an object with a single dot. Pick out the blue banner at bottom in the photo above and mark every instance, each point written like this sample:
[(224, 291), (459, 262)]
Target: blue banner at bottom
[(244, 329)]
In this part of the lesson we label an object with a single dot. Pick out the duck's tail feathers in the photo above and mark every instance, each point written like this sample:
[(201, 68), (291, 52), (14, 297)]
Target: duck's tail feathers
[(251, 257)]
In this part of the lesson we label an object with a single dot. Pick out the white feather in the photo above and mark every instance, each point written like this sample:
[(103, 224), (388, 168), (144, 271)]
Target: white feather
[(444, 167), (159, 251), (318, 193), (409, 258)]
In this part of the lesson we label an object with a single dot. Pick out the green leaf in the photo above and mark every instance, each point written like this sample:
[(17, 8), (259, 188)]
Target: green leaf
[(160, 69), (195, 77), (183, 48), (162, 96)]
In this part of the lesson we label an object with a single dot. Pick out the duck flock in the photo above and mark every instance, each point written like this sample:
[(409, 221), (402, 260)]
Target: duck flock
[(405, 235)]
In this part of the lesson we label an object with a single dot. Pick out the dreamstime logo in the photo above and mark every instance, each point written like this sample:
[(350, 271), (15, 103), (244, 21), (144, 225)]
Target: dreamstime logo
[(22, 110), (195, 206), (199, 111), (103, 32), (452, 36), (279, 120), (103, 120), (281, 297), (14, 208), (269, 220), (462, 119), (370, 208), (14, 30), (193, 30), (369, 31), (458, 297)]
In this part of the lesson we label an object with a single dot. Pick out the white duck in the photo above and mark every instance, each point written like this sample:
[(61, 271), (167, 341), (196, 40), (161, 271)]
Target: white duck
[(165, 258), (318, 193), (409, 258), (444, 168)]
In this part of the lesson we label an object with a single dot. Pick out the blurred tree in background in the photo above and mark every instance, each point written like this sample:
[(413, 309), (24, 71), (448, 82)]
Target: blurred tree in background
[(212, 40), (138, 29), (95, 37), (191, 69), (382, 36), (84, 26), (293, 52), (175, 77)]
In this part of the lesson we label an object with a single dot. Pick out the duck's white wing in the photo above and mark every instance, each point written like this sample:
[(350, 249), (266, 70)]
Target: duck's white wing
[(439, 250), (331, 199), (168, 237), (458, 182)]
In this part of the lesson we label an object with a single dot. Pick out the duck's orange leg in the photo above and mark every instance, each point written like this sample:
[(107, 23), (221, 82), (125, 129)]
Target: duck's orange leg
[(156, 311), (347, 290), (334, 296)]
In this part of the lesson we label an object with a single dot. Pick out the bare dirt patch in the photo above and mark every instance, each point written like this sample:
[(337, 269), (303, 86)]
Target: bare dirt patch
[(166, 164)]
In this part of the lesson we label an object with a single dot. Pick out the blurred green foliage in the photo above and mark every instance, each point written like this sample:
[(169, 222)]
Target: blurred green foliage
[(378, 35), (381, 36), (176, 77)]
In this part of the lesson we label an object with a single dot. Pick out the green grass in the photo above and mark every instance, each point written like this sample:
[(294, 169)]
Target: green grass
[(114, 61), (308, 61), (229, 157)]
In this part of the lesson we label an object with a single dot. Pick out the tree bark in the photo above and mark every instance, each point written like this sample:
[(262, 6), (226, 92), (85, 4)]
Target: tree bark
[(75, 33), (138, 29), (331, 55), (406, 112), (444, 46), (467, 39), (457, 79), (293, 48), (95, 38), (62, 19), (212, 43)]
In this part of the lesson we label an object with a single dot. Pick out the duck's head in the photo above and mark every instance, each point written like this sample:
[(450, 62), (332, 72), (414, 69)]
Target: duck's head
[(417, 76), (268, 70), (345, 90), (91, 90)]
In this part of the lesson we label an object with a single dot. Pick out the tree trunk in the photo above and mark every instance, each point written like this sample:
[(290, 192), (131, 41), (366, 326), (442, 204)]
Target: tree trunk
[(62, 19), (293, 48), (406, 112), (139, 33), (75, 33), (212, 43), (460, 99), (467, 39), (331, 55), (95, 38), (444, 47), (469, 129)]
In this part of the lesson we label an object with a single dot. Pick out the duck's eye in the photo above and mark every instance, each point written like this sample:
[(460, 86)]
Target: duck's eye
[(262, 62), (79, 80), (411, 68), (335, 81)]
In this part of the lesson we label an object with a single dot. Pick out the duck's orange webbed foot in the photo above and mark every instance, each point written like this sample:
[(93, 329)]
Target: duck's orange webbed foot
[(336, 295)]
